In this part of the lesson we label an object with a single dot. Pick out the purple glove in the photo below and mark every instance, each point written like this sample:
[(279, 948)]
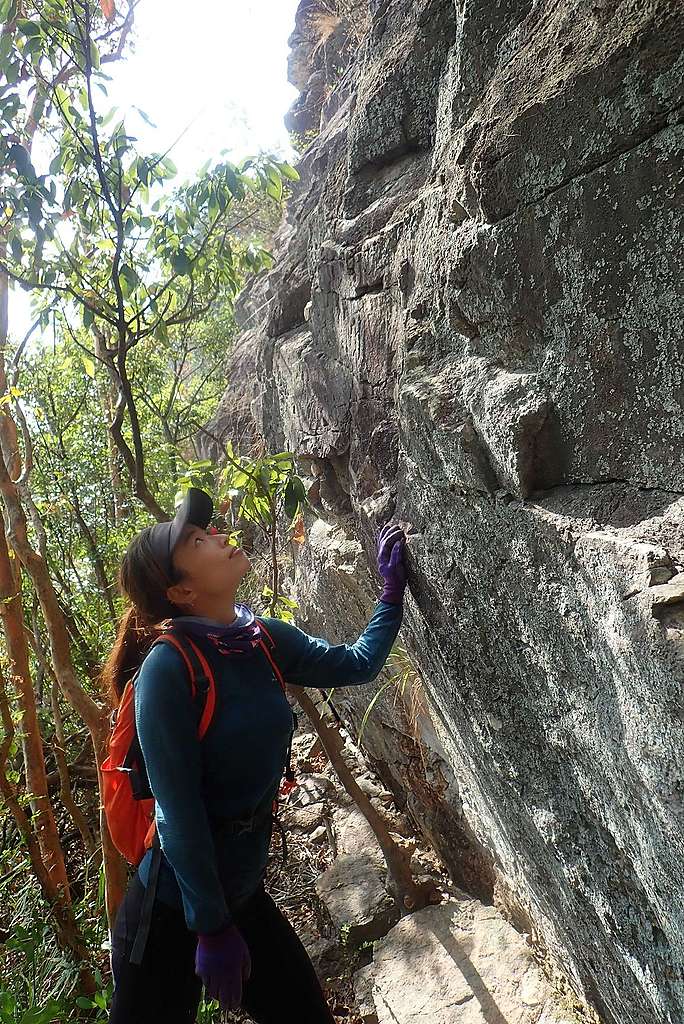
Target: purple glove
[(391, 566), (223, 963)]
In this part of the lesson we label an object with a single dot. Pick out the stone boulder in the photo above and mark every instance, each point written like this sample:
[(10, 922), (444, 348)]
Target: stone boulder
[(354, 894)]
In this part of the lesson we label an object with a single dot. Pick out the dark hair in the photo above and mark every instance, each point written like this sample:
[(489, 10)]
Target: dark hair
[(144, 583)]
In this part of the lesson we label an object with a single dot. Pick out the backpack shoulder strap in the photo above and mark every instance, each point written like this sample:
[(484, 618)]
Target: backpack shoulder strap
[(290, 777), (266, 632), (269, 654), (202, 681)]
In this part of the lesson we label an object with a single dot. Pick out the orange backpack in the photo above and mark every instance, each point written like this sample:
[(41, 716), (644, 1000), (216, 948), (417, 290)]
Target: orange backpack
[(126, 795)]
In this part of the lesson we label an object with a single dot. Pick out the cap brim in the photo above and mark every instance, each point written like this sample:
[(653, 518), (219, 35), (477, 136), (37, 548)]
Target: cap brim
[(196, 509)]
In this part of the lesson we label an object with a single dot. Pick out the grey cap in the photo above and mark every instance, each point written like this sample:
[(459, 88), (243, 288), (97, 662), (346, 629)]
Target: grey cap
[(196, 509)]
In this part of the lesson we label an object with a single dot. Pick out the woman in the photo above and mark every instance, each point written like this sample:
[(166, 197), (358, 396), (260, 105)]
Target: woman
[(211, 921)]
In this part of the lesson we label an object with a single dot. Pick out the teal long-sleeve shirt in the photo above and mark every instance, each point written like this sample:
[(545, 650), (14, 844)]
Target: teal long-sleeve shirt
[(235, 771)]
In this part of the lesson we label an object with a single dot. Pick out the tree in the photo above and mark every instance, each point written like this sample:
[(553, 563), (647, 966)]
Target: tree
[(122, 263), (33, 67), (102, 233)]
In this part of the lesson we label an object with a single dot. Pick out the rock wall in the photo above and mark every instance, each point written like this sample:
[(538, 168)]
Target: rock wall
[(475, 325)]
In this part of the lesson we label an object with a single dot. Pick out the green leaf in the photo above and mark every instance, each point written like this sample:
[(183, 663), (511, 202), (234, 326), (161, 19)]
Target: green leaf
[(128, 279), (61, 96), (288, 171), (18, 155), (84, 1003), (94, 55), (145, 117), (28, 28), (234, 183), (8, 10), (5, 40), (275, 190), (240, 479), (291, 500), (42, 1015), (16, 247), (143, 172), (264, 476), (88, 318), (34, 208), (12, 71), (89, 365), (369, 709), (181, 263), (33, 46)]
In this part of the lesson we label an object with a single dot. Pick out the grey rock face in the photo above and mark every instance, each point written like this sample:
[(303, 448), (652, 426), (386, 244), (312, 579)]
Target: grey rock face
[(475, 324), (458, 963)]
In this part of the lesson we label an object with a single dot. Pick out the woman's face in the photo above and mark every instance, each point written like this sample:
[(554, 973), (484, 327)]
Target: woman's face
[(209, 566)]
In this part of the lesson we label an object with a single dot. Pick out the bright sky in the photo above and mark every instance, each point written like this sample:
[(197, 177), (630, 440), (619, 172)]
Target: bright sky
[(217, 66)]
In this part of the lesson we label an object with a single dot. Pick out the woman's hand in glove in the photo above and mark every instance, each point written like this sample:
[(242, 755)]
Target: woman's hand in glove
[(391, 542), (223, 963)]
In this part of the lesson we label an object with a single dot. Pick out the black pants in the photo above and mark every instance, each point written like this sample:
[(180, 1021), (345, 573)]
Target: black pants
[(165, 990)]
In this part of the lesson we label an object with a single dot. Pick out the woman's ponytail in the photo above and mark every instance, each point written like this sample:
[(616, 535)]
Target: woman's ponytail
[(145, 584), (133, 640)]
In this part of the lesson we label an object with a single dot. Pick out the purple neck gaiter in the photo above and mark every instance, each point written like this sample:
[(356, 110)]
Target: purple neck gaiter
[(240, 637)]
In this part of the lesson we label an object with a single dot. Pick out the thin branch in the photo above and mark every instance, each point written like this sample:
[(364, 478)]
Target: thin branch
[(126, 27), (66, 792), (14, 365)]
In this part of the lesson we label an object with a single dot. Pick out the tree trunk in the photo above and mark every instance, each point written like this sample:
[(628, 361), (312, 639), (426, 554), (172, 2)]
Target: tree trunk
[(12, 615), (31, 739), (116, 871), (68, 934), (133, 460), (17, 535), (410, 895), (108, 393), (94, 717)]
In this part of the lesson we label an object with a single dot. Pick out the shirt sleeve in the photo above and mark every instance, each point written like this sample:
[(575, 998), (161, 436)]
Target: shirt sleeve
[(166, 721), (311, 661)]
